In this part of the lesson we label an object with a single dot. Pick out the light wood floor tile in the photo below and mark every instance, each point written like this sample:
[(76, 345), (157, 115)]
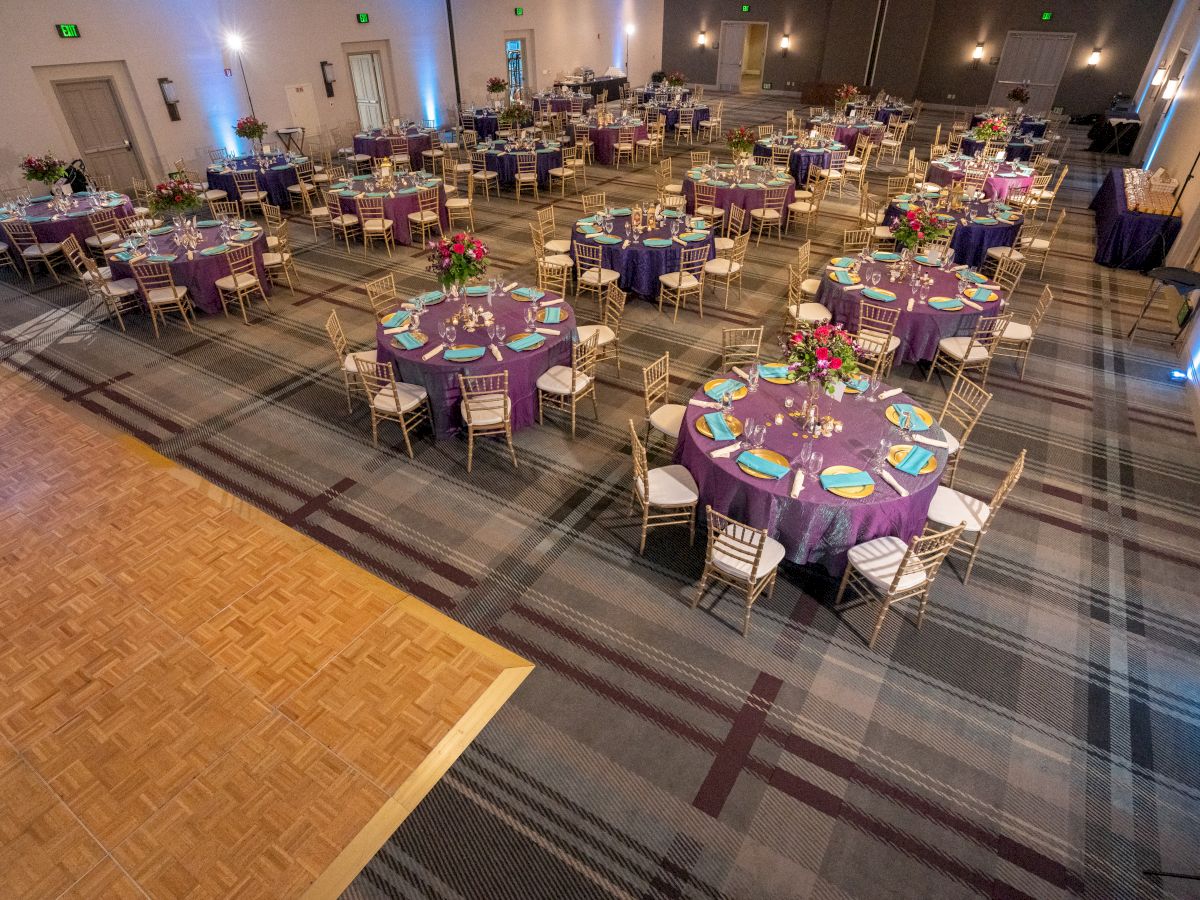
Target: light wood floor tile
[(105, 882)]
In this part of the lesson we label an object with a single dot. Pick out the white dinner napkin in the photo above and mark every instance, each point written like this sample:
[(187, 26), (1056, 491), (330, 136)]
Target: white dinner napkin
[(554, 331), (892, 393), (932, 442), (509, 287), (496, 352), (740, 374), (972, 304), (726, 451), (797, 483), (553, 302), (434, 352), (958, 268), (853, 287), (397, 329), (911, 302), (887, 476), (706, 404)]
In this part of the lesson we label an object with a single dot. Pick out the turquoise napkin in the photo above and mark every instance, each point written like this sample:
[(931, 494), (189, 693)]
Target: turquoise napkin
[(163, 257), (750, 185), (878, 294), (916, 423), (407, 340), (430, 297), (587, 221), (730, 385), (245, 235), (123, 256), (983, 220), (464, 354), (477, 290), (280, 168), (656, 242), (375, 195), (37, 218), (885, 256), (945, 304), (671, 214), (718, 427), (529, 293), (762, 466), (841, 262), (841, 277), (552, 315), (925, 260), (774, 371), (858, 384), (530, 340), (213, 251), (83, 212), (914, 460), (622, 211), (42, 199), (983, 295), (405, 191), (208, 223), (693, 236), (972, 276), (166, 229), (399, 317), (848, 479), (608, 239), (719, 183)]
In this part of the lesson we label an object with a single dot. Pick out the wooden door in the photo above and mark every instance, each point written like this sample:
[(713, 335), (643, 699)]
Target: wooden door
[(98, 125), (729, 56), (1035, 57)]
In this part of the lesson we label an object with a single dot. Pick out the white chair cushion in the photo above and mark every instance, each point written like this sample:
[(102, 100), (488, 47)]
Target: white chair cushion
[(810, 285), (673, 188), (104, 272), (233, 282), (349, 363), (769, 215), (670, 486), (122, 287), (210, 195), (1039, 244), (710, 212), (557, 380), (458, 203), (722, 267), (411, 396), (272, 241), (559, 259), (882, 232), (1017, 331), (772, 556), (803, 194), (878, 561), (721, 244), (36, 250), (561, 172), (668, 419), (275, 260), (527, 177), (957, 347), (804, 207), (604, 334), (870, 345), (952, 441), (252, 196), (319, 212), (599, 276), (165, 295), (558, 246), (377, 225), (1004, 253), (486, 409), (102, 240), (359, 157), (300, 187), (679, 280), (810, 312), (345, 221), (949, 507), (423, 216)]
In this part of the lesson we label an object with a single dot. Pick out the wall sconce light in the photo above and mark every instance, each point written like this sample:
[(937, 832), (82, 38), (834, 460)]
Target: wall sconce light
[(702, 39), (170, 98), (977, 55), (784, 43), (1093, 59), (1160, 75), (629, 30), (327, 76), (1170, 90)]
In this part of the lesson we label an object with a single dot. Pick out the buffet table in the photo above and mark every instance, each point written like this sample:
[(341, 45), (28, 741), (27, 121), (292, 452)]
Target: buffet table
[(1125, 238)]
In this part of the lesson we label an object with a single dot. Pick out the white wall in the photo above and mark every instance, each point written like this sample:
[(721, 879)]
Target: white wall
[(566, 34), (182, 40)]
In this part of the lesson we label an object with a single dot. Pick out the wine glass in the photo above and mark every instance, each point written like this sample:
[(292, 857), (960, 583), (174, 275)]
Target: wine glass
[(752, 379), (501, 332), (759, 436), (816, 462), (727, 402), (873, 386), (491, 331)]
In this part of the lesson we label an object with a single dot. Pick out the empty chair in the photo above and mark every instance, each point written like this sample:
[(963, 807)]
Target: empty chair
[(376, 226), (973, 353), (487, 410), (427, 219), (855, 241), (687, 282), (740, 346), (734, 226), (608, 332), (726, 270), (876, 335), (241, 285), (800, 310), (106, 232), (30, 249), (280, 260), (740, 557), (974, 516), (250, 193), (342, 219), (389, 400), (962, 411), (382, 295), (706, 205), (527, 177), (119, 296), (563, 387), (347, 362), (566, 171), (161, 294), (1017, 338), (665, 496), (807, 210), (662, 415), (481, 174), (769, 216), (590, 275)]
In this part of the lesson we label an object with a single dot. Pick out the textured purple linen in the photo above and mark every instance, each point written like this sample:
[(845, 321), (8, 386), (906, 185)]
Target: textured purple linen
[(200, 273), (604, 141), (996, 186), (1127, 239), (639, 265), (801, 159), (647, 96), (671, 115), (486, 124), (560, 104), (971, 241), (1013, 151), (729, 197), (397, 209), (504, 164), (919, 330), (274, 181), (376, 144), (439, 376), (57, 230), (817, 526)]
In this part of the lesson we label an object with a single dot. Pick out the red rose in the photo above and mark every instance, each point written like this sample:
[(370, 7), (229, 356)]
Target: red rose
[(835, 363), (822, 353), (459, 248), (822, 332)]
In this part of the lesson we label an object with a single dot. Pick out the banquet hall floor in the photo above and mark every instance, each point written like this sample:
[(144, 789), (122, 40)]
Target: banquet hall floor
[(1035, 738)]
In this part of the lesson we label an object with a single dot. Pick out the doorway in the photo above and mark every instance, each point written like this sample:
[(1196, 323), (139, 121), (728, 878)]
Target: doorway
[(366, 76), (741, 56), (1036, 57), (514, 55), (100, 128)]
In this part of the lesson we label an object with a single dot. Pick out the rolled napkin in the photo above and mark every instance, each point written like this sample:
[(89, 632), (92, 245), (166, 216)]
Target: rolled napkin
[(496, 352), (797, 483), (739, 373), (530, 340), (768, 370), (762, 466), (434, 352), (676, 239), (718, 426), (914, 460), (528, 293), (397, 318), (916, 423), (892, 393), (846, 480), (553, 331), (726, 451), (958, 268), (930, 441), (397, 329), (408, 340), (887, 476), (704, 404), (911, 302), (854, 287), (554, 302), (509, 287), (972, 304)]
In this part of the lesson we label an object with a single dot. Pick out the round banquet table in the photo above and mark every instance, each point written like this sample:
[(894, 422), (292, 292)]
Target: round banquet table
[(559, 104), (1014, 151), (376, 144), (52, 227), (200, 273), (848, 133), (882, 114), (486, 124), (439, 376), (817, 526), (274, 180), (972, 239), (1028, 124), (670, 115), (504, 162), (649, 95), (1007, 177), (918, 329), (638, 265), (604, 140), (746, 194), (397, 204), (801, 159)]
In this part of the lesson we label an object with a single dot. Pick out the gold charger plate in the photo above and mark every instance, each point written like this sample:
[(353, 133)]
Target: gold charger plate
[(854, 279), (957, 304), (737, 395), (894, 418), (897, 453), (732, 422), (765, 454), (778, 380), (419, 335), (525, 334), (851, 493)]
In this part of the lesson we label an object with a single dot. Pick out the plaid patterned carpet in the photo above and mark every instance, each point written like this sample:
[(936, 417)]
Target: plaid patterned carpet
[(1037, 738)]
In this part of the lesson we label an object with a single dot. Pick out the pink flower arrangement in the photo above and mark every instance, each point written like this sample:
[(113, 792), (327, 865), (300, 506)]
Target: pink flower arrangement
[(496, 85), (846, 92), (991, 128), (825, 354), (916, 226), (250, 128), (46, 168), (676, 79), (740, 140), (175, 197), (457, 259)]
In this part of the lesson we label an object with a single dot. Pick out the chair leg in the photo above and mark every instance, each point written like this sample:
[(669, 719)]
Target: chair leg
[(700, 590), (470, 447), (842, 587), (878, 625)]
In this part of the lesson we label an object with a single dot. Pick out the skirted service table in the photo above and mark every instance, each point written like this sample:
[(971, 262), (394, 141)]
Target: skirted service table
[(1126, 238)]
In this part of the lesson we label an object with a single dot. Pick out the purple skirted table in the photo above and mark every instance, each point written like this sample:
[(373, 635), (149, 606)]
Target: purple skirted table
[(52, 227), (638, 265), (604, 140), (275, 180), (504, 164), (1125, 238), (396, 206), (972, 239), (560, 104), (848, 134), (1008, 177), (670, 115), (801, 159), (376, 144), (439, 376), (816, 527), (486, 124), (747, 195), (1014, 151), (645, 95), (200, 273), (918, 329)]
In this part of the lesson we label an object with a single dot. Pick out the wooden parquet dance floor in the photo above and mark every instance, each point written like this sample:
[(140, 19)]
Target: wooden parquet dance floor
[(195, 700)]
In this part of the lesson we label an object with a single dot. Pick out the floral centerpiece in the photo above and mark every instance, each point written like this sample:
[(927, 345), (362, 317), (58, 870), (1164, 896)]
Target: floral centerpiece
[(457, 259), (676, 79), (46, 168), (516, 115), (916, 226), (1019, 95), (991, 128), (823, 355), (251, 129), (496, 85), (176, 197), (740, 141), (846, 92)]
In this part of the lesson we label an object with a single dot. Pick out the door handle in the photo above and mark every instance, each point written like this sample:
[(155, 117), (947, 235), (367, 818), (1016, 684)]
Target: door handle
[(128, 146)]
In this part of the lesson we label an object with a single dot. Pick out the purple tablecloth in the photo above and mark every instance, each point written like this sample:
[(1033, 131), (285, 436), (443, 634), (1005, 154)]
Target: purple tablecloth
[(646, 96), (200, 273), (801, 159), (670, 115), (1029, 125), (848, 134), (747, 198), (376, 145), (504, 164), (1013, 151), (486, 124), (919, 329), (604, 141), (397, 209), (560, 104), (274, 180), (971, 240), (439, 377), (75, 222), (639, 265), (996, 186), (817, 526), (1126, 239)]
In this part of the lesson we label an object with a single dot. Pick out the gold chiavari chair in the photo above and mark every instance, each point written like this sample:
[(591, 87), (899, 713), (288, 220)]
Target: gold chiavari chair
[(1008, 274), (565, 171), (106, 232), (962, 411), (304, 182), (272, 219), (887, 571), (800, 310), (974, 516), (430, 158), (30, 249), (552, 277), (1017, 339), (685, 127), (687, 282), (654, 140), (665, 180), (376, 226), (228, 208), (738, 556), (462, 209), (391, 400), (877, 337), (590, 275), (487, 410), (973, 353), (280, 260), (699, 157), (705, 205), (118, 296), (735, 225), (398, 151), (711, 127), (728, 270), (546, 224), (667, 495), (593, 203), (427, 219), (1046, 195), (662, 415), (769, 216), (241, 285), (896, 185), (807, 211), (250, 193), (1038, 248), (740, 346), (608, 332), (317, 216), (347, 362), (781, 157), (527, 176), (481, 174), (564, 387), (624, 147), (835, 172), (541, 252), (382, 295), (855, 241), (161, 294)]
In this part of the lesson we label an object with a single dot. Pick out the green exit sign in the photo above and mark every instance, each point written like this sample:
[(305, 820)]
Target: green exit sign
[(745, 7), (1047, 16), (364, 18), (67, 30), (518, 10)]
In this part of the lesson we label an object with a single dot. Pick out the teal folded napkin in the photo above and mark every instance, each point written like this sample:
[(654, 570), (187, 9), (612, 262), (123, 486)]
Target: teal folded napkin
[(83, 212), (671, 214), (463, 355), (945, 304), (530, 340), (885, 256), (37, 218), (777, 182), (882, 296), (348, 194), (376, 195), (914, 460), (166, 229), (983, 220), (728, 385), (858, 384), (529, 293), (692, 237), (925, 260), (724, 165), (361, 177), (846, 480), (552, 315), (208, 223), (607, 239), (750, 185), (477, 290), (983, 295), (762, 466), (719, 183), (698, 224), (163, 257), (767, 370), (112, 203), (718, 426), (213, 251), (245, 235), (841, 277), (123, 256), (622, 211), (972, 276), (656, 242), (904, 207), (407, 340), (586, 221), (405, 191), (916, 423), (281, 168), (430, 297), (588, 228), (841, 262), (42, 199), (399, 317), (249, 223)]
